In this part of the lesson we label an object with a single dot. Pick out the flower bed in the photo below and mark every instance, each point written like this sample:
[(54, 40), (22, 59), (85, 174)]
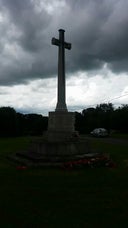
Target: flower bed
[(92, 162)]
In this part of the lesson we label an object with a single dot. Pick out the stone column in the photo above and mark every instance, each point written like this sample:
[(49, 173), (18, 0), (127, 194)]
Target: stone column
[(61, 104)]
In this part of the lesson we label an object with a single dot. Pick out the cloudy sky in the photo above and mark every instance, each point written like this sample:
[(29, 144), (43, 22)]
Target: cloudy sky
[(96, 66)]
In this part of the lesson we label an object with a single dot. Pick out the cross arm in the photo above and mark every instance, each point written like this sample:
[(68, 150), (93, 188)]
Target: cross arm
[(55, 41), (67, 45)]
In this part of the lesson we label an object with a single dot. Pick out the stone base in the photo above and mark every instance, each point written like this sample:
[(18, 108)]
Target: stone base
[(60, 126), (67, 148), (60, 143), (61, 121), (45, 154), (58, 136)]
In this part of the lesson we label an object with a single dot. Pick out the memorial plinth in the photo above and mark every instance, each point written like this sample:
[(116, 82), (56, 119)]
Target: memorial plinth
[(61, 126)]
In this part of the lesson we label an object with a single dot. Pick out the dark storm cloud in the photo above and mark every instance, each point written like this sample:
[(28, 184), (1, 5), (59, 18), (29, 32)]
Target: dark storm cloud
[(30, 23), (25, 50), (101, 35), (97, 29)]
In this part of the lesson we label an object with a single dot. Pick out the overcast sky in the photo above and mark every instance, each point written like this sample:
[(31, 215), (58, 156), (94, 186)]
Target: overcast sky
[(96, 66)]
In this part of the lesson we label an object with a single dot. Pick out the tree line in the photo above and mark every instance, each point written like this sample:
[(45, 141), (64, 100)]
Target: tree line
[(104, 116), (13, 123)]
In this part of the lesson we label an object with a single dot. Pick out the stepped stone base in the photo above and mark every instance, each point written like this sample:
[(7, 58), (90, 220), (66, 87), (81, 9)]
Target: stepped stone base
[(67, 148), (44, 153), (59, 144)]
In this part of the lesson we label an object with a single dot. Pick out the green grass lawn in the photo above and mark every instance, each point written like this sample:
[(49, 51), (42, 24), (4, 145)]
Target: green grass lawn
[(49, 198)]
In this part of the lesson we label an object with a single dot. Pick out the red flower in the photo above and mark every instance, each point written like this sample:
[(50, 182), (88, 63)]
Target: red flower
[(21, 167)]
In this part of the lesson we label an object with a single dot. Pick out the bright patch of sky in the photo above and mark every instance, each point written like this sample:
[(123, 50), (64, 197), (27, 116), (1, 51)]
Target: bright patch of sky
[(51, 6), (40, 96)]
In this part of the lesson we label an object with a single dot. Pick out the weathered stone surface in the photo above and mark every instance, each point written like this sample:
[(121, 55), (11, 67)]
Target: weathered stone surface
[(65, 148), (44, 153), (60, 126)]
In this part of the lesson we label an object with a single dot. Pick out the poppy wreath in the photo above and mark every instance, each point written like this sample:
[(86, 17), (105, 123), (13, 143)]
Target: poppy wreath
[(99, 161)]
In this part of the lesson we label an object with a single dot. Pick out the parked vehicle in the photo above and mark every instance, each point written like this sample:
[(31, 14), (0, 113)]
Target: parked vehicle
[(99, 132)]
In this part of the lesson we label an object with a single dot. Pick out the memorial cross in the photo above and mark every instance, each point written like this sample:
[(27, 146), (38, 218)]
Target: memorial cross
[(61, 104)]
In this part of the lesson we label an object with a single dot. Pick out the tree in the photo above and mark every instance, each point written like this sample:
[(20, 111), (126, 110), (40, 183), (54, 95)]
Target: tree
[(32, 124), (120, 119), (8, 121), (79, 126), (105, 115), (90, 119), (105, 107)]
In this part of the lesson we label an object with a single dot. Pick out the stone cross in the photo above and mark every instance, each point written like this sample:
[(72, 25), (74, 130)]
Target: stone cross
[(61, 104)]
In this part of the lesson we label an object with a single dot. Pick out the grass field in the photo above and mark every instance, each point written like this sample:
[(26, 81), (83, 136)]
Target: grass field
[(47, 198)]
